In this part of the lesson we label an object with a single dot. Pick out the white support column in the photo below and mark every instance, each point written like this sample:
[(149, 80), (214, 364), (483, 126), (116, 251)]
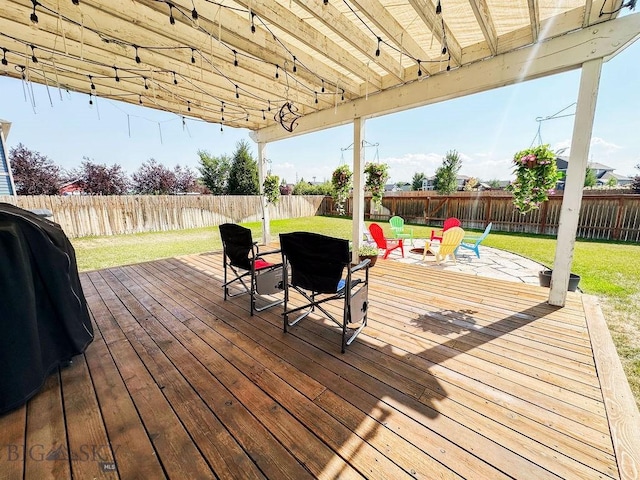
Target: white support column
[(266, 230), (358, 186), (574, 183)]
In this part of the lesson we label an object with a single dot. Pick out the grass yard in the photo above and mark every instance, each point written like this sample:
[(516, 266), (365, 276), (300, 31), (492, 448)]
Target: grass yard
[(607, 269)]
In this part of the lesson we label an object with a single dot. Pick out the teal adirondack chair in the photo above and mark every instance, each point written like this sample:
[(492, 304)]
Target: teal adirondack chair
[(472, 243), (398, 229)]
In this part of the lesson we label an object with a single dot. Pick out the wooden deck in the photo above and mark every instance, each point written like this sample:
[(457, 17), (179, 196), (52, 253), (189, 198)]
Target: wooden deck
[(455, 377)]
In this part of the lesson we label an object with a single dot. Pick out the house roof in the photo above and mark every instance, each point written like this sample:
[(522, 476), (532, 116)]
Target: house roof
[(257, 65), (6, 126)]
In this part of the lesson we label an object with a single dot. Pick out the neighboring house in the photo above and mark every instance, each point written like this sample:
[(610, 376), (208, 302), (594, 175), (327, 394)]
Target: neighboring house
[(429, 182), (392, 187), (71, 188), (603, 173), (7, 187)]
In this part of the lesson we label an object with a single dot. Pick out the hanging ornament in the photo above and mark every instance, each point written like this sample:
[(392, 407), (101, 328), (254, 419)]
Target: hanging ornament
[(287, 116)]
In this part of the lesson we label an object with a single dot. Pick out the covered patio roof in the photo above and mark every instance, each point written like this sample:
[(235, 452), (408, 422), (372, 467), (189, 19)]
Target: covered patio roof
[(257, 65)]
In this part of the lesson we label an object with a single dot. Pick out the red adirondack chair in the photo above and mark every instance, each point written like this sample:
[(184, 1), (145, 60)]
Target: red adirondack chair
[(388, 244), (448, 223)]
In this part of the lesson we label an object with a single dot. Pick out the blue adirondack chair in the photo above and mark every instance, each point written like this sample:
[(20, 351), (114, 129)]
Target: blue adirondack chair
[(472, 243)]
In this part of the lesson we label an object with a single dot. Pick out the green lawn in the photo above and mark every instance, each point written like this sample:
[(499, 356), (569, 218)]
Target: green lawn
[(607, 269)]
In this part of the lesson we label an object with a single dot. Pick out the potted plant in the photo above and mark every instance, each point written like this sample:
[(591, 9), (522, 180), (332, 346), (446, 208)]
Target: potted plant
[(377, 176), (544, 276), (536, 176), (370, 252), (341, 182)]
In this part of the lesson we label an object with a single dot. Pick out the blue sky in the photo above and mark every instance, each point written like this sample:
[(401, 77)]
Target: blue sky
[(486, 129)]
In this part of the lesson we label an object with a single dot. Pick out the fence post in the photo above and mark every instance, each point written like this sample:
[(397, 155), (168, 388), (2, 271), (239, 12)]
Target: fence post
[(618, 227), (542, 226)]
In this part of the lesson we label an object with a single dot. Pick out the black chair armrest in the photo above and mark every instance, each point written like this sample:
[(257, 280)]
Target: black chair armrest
[(361, 265)]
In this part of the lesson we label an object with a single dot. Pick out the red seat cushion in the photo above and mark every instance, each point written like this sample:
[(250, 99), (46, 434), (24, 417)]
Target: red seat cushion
[(260, 264)]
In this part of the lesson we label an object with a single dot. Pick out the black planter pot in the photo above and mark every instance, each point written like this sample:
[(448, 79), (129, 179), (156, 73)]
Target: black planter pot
[(545, 280)]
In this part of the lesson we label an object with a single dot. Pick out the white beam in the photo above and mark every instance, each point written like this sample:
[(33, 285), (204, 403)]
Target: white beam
[(358, 187), (555, 55), (572, 199), (266, 228)]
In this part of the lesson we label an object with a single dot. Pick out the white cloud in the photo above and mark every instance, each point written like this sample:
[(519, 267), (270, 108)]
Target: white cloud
[(479, 166)]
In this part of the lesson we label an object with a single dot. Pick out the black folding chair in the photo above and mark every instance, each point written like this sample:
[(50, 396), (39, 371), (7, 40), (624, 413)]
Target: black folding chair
[(252, 274), (316, 264)]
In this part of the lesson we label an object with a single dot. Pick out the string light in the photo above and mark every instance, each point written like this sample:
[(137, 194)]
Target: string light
[(107, 39), (93, 87), (419, 68), (34, 17), (378, 49), (33, 54), (90, 99), (188, 106), (438, 8), (253, 26), (4, 57), (140, 99), (263, 116), (444, 49)]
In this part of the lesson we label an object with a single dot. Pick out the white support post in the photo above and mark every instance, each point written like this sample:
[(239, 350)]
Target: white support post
[(574, 183), (358, 187), (266, 230)]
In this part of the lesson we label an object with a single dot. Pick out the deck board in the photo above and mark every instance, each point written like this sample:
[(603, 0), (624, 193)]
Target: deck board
[(455, 377)]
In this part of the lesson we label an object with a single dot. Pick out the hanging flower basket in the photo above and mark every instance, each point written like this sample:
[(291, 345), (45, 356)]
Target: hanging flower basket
[(377, 176), (536, 177), (341, 182), (271, 188)]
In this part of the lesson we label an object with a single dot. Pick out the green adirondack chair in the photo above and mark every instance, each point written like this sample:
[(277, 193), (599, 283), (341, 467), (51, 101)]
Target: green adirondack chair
[(399, 230)]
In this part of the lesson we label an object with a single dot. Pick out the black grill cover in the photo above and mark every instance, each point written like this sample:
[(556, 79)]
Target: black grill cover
[(44, 320)]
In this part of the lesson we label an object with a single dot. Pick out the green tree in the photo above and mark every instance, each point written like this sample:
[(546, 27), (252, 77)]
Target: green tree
[(243, 175), (446, 175), (590, 178), (494, 183), (612, 182), (417, 180), (214, 171), (635, 185), (471, 184)]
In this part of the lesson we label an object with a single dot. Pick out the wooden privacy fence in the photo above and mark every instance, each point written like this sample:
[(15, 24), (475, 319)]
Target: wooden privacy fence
[(81, 216), (602, 216)]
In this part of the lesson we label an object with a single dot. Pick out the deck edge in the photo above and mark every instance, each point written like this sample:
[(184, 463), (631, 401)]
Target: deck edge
[(620, 405)]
